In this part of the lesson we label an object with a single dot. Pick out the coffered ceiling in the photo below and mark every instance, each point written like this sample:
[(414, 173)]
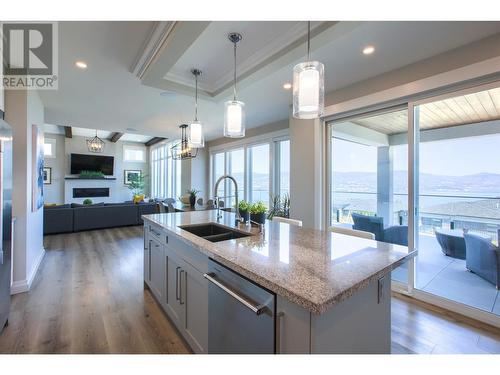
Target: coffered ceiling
[(138, 73)]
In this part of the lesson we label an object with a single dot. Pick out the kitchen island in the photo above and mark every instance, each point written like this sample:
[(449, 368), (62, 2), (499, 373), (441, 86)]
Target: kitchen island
[(324, 292)]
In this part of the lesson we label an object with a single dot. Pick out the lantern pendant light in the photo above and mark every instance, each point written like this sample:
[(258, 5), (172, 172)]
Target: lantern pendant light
[(183, 150), (95, 144), (234, 110), (308, 86), (196, 139)]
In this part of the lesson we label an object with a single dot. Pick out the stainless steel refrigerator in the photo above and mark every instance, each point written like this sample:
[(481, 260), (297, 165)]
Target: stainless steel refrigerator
[(5, 219)]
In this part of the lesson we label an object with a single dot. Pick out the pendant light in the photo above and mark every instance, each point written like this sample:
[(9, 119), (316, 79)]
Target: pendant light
[(183, 150), (308, 86), (234, 110), (196, 138), (95, 144)]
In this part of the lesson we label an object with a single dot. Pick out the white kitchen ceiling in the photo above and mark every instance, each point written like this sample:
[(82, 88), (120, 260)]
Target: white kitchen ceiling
[(109, 96)]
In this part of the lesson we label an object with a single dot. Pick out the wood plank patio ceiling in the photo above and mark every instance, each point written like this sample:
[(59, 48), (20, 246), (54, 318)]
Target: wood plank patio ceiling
[(460, 110)]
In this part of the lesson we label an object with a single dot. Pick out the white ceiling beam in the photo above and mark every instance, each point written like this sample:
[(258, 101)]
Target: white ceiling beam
[(180, 37)]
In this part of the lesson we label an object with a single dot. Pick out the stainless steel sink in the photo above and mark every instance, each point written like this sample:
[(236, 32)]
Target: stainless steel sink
[(213, 232)]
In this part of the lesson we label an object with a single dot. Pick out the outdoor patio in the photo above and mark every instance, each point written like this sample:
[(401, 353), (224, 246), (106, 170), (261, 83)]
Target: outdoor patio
[(447, 277)]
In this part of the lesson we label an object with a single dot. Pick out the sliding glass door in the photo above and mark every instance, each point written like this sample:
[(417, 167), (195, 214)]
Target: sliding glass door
[(369, 176), (427, 175), (458, 215)]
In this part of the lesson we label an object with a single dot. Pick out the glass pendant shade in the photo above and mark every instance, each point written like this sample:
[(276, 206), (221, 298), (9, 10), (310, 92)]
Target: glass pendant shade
[(196, 139), (308, 90), (234, 119)]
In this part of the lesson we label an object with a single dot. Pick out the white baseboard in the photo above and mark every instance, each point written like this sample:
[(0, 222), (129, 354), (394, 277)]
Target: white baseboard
[(22, 286)]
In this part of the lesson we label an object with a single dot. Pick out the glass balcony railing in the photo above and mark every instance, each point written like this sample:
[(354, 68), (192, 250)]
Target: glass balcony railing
[(474, 213)]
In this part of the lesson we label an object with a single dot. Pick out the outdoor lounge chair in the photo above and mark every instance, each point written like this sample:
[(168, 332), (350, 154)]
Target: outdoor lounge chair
[(397, 234), (482, 258)]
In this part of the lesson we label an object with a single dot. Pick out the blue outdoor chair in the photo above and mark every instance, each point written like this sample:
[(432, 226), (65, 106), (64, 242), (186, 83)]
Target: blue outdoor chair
[(397, 234), (482, 258)]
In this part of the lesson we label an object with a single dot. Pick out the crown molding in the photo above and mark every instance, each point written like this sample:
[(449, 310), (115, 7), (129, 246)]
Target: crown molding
[(152, 47)]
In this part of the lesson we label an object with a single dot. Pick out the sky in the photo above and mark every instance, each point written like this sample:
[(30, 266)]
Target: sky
[(457, 157)]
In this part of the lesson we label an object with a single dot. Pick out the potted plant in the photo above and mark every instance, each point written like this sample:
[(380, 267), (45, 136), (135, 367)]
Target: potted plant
[(244, 208), (280, 206), (87, 202), (258, 212), (192, 196), (137, 183), (91, 174)]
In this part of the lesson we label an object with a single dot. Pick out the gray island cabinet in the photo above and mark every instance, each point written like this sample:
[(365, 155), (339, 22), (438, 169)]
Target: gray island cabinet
[(331, 292)]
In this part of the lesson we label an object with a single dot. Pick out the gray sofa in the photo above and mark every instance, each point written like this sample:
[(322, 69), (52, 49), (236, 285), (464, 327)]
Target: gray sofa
[(74, 218)]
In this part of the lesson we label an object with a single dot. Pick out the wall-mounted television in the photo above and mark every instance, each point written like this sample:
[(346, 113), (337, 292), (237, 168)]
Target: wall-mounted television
[(98, 163)]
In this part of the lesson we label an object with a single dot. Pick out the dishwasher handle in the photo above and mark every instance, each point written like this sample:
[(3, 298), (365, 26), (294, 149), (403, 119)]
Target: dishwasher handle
[(257, 309)]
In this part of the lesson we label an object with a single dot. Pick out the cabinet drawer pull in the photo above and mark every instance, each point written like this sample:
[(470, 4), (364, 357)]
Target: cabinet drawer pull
[(180, 287), (279, 318), (177, 283), (157, 234)]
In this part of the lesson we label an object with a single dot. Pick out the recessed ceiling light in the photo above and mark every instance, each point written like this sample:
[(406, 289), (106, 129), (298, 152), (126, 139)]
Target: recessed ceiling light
[(81, 64), (167, 94), (287, 86), (368, 50)]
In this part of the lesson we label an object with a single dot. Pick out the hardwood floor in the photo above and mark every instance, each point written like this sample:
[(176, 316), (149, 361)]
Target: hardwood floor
[(88, 297)]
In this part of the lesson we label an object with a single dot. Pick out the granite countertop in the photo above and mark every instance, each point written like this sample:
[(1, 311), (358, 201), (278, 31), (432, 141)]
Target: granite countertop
[(312, 268)]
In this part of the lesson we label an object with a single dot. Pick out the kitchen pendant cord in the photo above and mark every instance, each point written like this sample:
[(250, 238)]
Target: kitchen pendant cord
[(196, 99), (234, 87), (308, 40)]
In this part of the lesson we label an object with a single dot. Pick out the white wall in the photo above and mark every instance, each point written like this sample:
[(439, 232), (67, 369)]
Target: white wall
[(306, 163), (61, 167), (22, 110)]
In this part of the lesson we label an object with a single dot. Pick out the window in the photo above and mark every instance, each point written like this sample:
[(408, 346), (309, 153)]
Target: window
[(219, 170), (49, 148), (283, 167), (165, 173), (132, 153), (259, 173), (236, 168)]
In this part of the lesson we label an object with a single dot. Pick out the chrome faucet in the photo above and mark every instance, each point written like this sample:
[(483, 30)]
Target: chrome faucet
[(219, 215)]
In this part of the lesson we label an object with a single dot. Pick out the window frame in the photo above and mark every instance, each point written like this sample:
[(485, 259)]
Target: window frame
[(246, 144), (127, 146), (164, 171), (53, 143)]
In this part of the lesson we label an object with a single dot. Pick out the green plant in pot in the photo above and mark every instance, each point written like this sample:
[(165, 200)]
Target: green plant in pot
[(244, 208), (192, 196), (87, 202), (137, 184), (258, 212)]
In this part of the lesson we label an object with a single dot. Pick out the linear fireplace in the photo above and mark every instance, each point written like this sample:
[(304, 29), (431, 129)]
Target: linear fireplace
[(90, 192)]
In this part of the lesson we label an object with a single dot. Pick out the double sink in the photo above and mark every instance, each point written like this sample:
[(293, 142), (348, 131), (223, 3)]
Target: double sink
[(214, 232)]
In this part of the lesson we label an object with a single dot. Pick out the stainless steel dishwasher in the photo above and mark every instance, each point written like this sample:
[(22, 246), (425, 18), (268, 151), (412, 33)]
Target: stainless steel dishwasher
[(241, 314)]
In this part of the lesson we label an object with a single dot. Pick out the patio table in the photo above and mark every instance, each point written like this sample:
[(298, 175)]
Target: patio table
[(452, 242)]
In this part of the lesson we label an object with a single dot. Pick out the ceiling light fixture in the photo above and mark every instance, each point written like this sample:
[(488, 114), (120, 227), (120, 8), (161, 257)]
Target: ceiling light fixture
[(81, 64), (287, 86), (368, 50), (234, 110), (308, 86), (183, 150), (196, 138), (95, 144)]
